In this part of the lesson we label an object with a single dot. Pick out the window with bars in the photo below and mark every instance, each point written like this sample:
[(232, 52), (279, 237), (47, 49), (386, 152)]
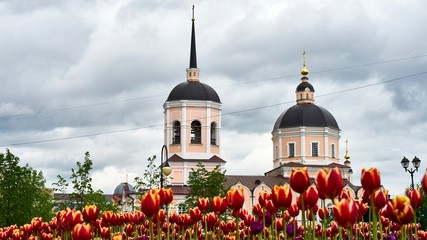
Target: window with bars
[(314, 149), (176, 138), (291, 150), (196, 132)]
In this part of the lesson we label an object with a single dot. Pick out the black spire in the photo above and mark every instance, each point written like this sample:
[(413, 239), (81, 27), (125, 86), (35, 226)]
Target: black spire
[(193, 59)]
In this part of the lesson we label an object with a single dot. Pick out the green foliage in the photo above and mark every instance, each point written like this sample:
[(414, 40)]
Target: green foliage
[(421, 212), (151, 177), (205, 183), (82, 194), (23, 194)]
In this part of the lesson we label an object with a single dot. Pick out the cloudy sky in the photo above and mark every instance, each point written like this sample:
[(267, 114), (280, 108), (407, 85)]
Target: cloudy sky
[(103, 69)]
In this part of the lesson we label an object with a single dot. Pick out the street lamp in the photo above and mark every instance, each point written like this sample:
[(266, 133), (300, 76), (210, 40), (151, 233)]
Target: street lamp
[(164, 168), (415, 162)]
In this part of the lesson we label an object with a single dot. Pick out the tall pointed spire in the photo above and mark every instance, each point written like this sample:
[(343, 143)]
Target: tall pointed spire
[(193, 58), (192, 70)]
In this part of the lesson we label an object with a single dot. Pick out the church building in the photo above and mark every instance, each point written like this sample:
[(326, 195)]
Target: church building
[(305, 135)]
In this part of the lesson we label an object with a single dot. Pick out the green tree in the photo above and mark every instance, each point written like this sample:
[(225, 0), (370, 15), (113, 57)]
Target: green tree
[(151, 177), (83, 193), (23, 194), (205, 183)]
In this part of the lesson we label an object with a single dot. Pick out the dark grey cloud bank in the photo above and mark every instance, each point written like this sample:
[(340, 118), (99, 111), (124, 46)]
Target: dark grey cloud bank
[(72, 68)]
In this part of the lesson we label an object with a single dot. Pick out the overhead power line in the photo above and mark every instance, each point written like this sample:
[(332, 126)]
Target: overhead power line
[(224, 114), (221, 86)]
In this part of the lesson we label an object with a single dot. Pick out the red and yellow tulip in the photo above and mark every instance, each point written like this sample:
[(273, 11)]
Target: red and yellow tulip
[(299, 179)]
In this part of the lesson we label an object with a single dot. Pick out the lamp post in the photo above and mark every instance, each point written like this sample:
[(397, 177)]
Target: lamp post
[(405, 164), (166, 169)]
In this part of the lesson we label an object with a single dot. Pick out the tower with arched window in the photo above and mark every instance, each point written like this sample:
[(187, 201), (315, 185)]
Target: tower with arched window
[(192, 123)]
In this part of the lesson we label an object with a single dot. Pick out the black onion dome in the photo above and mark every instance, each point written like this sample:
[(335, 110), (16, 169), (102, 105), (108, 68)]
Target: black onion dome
[(129, 189), (302, 86), (193, 90), (307, 115)]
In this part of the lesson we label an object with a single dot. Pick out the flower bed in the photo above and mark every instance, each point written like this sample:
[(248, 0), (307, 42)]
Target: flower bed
[(276, 216)]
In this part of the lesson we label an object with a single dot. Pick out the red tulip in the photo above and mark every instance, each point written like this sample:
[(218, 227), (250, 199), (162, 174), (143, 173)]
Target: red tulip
[(212, 220), (346, 212), (203, 204), (293, 210), (400, 210), (270, 207), (82, 232), (370, 179), (310, 197), (219, 205), (195, 214), (415, 197), (299, 179), (323, 213), (334, 184), (235, 198), (90, 213), (282, 196), (105, 232), (345, 193), (166, 196), (150, 203), (424, 182), (380, 198), (263, 198)]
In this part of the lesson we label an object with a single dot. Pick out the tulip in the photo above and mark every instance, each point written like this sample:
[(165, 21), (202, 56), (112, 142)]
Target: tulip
[(370, 179), (263, 198), (270, 207), (235, 198), (310, 197), (282, 196), (380, 198), (105, 232), (321, 182), (323, 213), (82, 232), (150, 203), (212, 220), (329, 183), (345, 193), (166, 196), (415, 197), (219, 205), (400, 210), (346, 212), (90, 213), (293, 210), (424, 182), (195, 214), (203, 204), (299, 179)]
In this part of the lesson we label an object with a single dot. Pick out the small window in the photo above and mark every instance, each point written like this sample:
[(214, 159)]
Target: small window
[(291, 150), (306, 96), (277, 152), (176, 138), (196, 132), (333, 150), (315, 149), (213, 133)]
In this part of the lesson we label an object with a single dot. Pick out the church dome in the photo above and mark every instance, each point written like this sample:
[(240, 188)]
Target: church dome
[(129, 189), (307, 115), (193, 90), (303, 86)]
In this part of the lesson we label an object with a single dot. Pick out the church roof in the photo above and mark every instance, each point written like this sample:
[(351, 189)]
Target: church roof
[(252, 181), (306, 115), (177, 158), (193, 91)]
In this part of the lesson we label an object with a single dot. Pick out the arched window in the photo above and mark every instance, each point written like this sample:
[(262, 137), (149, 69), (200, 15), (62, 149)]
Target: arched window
[(176, 138), (196, 132), (213, 133)]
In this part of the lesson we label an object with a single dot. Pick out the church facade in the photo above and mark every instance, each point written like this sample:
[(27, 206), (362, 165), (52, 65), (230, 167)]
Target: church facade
[(305, 135)]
